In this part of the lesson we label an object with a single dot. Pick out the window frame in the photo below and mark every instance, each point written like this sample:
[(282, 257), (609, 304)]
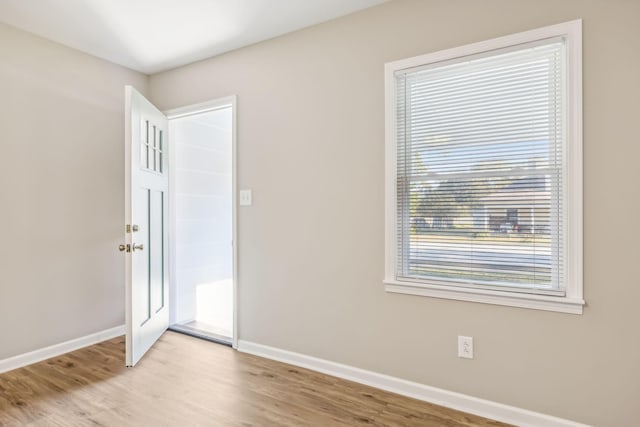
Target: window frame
[(572, 301)]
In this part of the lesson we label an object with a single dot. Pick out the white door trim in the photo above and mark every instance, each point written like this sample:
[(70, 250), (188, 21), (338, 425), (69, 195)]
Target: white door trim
[(175, 113)]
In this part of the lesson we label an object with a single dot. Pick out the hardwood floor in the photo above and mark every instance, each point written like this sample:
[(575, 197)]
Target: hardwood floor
[(184, 381)]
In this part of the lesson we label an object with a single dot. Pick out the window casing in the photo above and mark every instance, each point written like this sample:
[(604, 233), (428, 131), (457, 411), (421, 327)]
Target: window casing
[(484, 172)]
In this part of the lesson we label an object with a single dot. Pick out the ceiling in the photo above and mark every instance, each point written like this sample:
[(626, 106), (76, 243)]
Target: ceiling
[(155, 35)]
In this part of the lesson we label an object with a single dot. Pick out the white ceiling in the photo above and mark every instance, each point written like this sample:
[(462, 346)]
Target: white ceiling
[(156, 35)]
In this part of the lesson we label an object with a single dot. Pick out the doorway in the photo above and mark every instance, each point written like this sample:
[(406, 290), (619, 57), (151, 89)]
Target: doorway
[(202, 220)]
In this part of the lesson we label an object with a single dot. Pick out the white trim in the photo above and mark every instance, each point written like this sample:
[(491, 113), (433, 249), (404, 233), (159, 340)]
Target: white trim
[(575, 159), (202, 107), (571, 28), (438, 396), (234, 214), (390, 196), (573, 199), (189, 110), (35, 356), (487, 296)]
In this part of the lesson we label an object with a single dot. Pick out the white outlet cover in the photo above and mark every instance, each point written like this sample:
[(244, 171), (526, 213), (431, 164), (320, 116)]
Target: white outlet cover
[(465, 347), (245, 198)]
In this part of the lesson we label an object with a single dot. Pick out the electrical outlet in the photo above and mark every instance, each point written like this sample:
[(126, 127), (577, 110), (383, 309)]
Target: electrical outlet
[(465, 347)]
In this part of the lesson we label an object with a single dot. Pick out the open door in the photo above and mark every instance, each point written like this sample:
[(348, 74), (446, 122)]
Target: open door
[(146, 216)]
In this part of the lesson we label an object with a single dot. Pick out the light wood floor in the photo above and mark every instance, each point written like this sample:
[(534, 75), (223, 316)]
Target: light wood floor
[(184, 381)]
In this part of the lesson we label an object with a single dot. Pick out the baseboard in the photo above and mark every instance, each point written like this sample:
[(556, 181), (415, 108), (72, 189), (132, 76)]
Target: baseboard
[(58, 349), (458, 401)]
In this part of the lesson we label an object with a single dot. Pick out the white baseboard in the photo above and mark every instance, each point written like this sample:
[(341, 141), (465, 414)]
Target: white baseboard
[(58, 349), (458, 401)]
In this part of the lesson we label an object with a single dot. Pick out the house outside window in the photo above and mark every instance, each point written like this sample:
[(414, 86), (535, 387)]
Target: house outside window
[(484, 172)]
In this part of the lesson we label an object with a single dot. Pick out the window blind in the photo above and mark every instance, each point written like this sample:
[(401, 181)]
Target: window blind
[(480, 161)]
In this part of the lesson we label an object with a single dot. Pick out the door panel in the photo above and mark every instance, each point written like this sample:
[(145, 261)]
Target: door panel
[(156, 250), (146, 207)]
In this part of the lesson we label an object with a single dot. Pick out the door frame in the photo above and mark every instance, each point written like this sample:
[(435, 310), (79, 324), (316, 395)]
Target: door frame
[(189, 110)]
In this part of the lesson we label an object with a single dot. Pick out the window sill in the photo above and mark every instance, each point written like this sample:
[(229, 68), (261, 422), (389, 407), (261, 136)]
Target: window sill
[(485, 296)]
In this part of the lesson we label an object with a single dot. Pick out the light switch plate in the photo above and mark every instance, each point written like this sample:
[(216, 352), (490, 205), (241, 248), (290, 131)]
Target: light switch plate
[(245, 198)]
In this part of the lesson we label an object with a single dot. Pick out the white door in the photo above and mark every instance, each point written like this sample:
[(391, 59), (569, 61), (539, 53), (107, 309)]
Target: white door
[(146, 207)]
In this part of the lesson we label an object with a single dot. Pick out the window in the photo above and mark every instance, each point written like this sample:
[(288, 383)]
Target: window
[(152, 152), (484, 172)]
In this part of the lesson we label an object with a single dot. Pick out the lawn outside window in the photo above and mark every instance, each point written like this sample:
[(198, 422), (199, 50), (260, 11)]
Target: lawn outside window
[(484, 172)]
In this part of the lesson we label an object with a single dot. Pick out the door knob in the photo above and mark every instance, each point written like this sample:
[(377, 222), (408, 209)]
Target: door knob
[(138, 247)]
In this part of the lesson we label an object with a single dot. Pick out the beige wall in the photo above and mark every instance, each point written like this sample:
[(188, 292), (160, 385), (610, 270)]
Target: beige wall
[(310, 145), (61, 192)]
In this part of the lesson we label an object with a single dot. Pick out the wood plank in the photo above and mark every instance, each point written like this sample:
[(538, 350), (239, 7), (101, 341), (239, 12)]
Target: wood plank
[(186, 381)]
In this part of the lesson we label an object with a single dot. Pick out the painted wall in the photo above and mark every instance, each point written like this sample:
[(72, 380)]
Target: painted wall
[(311, 248), (61, 192)]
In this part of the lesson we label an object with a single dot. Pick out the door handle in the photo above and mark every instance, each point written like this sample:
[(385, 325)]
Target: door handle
[(137, 247)]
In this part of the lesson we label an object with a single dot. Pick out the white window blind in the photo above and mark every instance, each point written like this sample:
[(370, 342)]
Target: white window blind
[(480, 170)]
